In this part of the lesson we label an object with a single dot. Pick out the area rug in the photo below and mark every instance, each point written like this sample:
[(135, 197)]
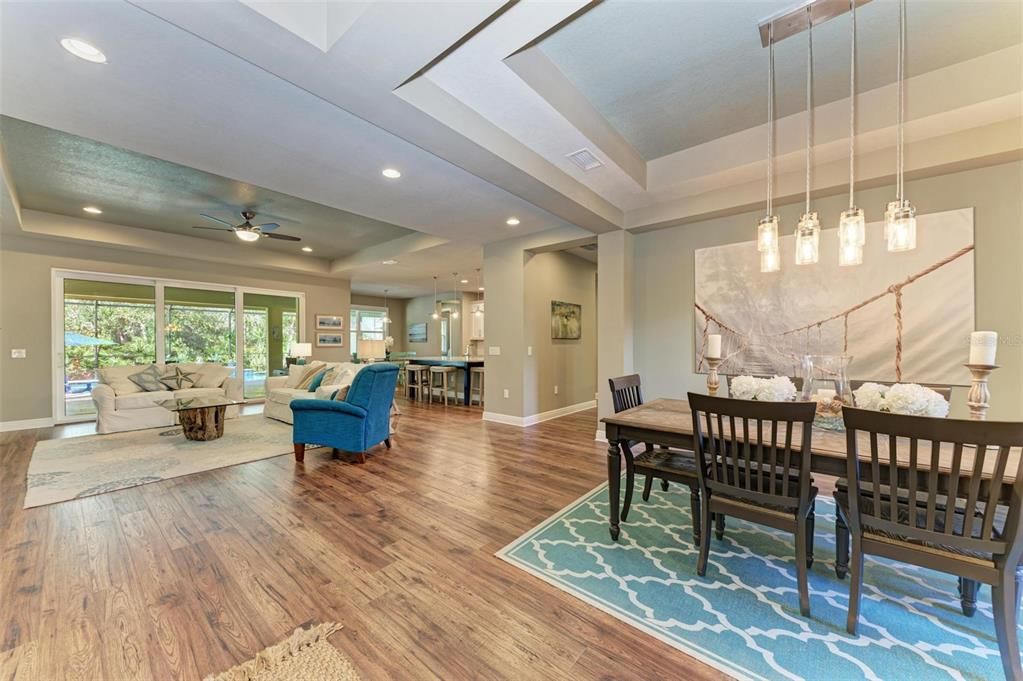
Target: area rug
[(743, 617), (306, 655), (94, 464)]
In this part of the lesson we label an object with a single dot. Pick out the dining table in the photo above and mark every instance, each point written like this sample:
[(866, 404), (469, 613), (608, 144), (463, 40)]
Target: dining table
[(464, 362), (669, 423)]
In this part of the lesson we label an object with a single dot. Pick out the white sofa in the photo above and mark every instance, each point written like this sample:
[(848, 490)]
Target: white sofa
[(121, 405), (281, 390)]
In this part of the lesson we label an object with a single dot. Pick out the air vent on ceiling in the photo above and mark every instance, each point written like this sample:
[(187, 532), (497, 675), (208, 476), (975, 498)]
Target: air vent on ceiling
[(585, 159)]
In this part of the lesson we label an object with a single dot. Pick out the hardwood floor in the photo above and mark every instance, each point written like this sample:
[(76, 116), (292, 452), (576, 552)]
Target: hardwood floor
[(187, 577)]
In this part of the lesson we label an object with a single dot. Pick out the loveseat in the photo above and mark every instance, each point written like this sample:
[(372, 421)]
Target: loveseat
[(123, 404), (281, 390)]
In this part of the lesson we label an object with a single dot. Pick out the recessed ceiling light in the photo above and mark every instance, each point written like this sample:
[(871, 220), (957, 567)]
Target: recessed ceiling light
[(511, 221), (390, 262), (83, 50), (391, 173), (307, 249), (92, 209), (464, 281)]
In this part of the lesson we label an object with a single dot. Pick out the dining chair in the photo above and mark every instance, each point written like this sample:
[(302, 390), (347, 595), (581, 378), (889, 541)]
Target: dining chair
[(674, 465), (753, 463), (952, 505)]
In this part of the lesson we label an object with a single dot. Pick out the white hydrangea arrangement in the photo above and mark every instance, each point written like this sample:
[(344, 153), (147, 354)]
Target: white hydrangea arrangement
[(901, 398), (777, 389)]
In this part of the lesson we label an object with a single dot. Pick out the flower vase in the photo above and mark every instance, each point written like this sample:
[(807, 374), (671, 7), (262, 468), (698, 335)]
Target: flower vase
[(826, 382)]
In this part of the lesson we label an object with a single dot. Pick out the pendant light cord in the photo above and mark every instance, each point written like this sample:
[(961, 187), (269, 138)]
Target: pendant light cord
[(852, 105), (809, 100), (899, 161), (770, 119)]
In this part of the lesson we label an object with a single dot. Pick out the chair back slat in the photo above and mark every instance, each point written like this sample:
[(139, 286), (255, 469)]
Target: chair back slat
[(626, 392), (954, 500), (736, 458)]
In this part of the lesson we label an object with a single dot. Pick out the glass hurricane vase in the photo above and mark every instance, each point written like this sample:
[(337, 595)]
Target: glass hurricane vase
[(826, 382)]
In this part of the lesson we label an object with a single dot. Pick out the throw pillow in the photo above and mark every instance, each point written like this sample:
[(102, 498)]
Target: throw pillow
[(117, 378), (308, 377), (342, 393), (211, 375), (317, 380), (148, 379), (178, 379), (298, 372)]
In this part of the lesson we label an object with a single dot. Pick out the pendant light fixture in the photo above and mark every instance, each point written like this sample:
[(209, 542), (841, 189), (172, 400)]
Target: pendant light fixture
[(767, 228), (454, 287), (436, 314), (852, 227), (387, 313), (900, 217), (479, 288), (808, 230)]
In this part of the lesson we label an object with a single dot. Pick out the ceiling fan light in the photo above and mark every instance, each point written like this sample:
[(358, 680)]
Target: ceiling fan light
[(767, 233), (245, 235), (808, 238)]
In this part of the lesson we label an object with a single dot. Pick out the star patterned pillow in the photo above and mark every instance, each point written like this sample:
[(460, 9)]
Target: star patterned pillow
[(179, 379)]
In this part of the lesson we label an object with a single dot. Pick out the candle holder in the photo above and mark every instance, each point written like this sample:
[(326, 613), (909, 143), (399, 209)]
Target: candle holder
[(713, 382), (979, 396)]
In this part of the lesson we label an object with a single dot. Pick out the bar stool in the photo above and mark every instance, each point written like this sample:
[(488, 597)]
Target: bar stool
[(417, 379), (439, 377), (476, 387)]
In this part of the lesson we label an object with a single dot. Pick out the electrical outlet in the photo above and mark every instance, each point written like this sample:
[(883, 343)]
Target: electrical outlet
[(555, 390), (529, 350), (18, 353), (506, 393)]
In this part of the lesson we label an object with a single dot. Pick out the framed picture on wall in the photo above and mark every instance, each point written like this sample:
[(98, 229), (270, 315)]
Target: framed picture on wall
[(330, 340), (417, 333), (330, 322), (566, 320)]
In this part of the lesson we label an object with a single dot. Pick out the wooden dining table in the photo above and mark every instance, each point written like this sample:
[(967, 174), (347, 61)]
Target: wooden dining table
[(669, 422)]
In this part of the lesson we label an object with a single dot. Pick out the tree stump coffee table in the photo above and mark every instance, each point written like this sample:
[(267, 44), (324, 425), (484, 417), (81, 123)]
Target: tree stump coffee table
[(201, 418)]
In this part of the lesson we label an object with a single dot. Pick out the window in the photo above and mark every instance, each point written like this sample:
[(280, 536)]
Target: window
[(367, 323), (289, 332)]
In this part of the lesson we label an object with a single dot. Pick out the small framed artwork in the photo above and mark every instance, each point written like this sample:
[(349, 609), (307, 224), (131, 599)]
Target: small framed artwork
[(330, 322), (330, 340), (417, 333), (566, 320)]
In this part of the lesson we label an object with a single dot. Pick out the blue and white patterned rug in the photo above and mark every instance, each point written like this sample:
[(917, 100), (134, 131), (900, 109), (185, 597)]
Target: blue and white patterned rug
[(743, 618)]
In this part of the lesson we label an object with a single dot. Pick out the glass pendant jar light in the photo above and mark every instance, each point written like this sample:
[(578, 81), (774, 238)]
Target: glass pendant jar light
[(767, 228), (479, 288), (808, 229), (454, 287), (436, 314), (900, 218), (852, 227), (387, 313)]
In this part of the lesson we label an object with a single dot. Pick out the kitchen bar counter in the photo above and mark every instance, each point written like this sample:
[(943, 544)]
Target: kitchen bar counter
[(465, 362)]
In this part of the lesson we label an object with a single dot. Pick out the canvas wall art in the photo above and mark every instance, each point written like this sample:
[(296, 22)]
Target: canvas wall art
[(417, 333), (900, 316), (566, 320)]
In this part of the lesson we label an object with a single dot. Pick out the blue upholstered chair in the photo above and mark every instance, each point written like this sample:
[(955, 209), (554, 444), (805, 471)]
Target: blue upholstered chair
[(361, 421)]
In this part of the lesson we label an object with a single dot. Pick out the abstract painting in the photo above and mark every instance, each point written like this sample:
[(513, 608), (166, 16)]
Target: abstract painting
[(566, 320), (900, 316), (417, 333)]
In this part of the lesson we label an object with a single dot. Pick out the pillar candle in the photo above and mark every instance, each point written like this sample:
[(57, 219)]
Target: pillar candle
[(983, 347), (714, 346)]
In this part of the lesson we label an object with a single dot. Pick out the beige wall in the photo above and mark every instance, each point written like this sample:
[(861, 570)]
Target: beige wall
[(25, 309), (396, 312), (418, 310), (571, 365), (663, 267)]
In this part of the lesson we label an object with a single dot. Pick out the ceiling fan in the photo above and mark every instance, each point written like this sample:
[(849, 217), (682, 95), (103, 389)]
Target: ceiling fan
[(247, 231)]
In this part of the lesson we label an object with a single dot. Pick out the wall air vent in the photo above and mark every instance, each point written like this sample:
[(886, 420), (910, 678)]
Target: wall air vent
[(585, 159)]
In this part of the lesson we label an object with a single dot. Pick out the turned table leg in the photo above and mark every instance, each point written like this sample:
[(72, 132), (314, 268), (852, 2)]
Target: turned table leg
[(614, 479)]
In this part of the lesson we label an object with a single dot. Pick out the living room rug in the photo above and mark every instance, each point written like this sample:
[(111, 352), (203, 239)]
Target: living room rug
[(306, 655), (743, 617), (94, 464)]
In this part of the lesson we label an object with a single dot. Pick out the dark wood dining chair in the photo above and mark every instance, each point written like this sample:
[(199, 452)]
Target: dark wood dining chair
[(670, 465), (753, 462), (943, 505)]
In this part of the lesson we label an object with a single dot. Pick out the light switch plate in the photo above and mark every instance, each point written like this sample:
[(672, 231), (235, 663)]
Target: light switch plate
[(506, 395), (18, 353), (494, 350), (529, 350)]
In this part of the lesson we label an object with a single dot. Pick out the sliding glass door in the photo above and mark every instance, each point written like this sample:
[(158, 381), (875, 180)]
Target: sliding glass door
[(110, 320)]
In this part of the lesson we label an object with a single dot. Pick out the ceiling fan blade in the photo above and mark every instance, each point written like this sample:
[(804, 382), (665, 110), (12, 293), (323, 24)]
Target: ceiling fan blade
[(283, 237), (215, 229), (268, 227), (223, 222)]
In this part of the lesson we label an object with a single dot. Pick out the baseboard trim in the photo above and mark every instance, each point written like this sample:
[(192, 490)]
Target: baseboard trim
[(601, 435), (27, 424), (533, 419)]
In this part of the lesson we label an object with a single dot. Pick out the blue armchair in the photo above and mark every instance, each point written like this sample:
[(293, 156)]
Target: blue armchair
[(361, 421)]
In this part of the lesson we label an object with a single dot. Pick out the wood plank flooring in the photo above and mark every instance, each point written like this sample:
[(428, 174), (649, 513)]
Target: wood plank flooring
[(187, 577)]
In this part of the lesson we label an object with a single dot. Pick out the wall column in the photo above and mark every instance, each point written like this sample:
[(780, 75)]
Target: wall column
[(614, 315)]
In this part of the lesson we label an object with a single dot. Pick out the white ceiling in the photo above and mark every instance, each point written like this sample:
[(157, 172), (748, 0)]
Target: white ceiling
[(709, 77)]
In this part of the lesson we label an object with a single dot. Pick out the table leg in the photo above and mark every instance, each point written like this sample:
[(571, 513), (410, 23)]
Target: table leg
[(466, 386), (614, 478)]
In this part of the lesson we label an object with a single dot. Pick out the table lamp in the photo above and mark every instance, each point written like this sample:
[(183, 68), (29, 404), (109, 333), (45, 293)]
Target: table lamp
[(372, 349), (301, 351)]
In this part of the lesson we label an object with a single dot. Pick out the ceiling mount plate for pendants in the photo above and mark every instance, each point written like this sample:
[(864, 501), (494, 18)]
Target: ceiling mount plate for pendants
[(796, 20)]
